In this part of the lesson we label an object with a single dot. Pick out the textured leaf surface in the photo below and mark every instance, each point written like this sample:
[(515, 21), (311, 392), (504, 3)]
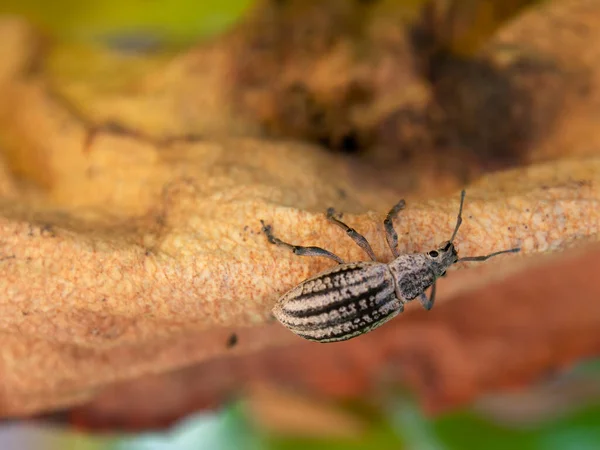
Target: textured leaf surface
[(130, 246)]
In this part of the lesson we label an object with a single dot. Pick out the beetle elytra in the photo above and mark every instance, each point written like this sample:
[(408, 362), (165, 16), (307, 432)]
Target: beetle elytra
[(354, 298)]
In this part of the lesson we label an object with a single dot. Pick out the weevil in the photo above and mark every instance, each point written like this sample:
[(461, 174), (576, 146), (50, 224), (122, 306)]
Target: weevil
[(354, 298)]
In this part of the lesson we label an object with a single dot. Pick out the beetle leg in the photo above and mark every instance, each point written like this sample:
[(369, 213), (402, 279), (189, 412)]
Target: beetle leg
[(354, 235), (298, 250), (427, 303), (390, 234)]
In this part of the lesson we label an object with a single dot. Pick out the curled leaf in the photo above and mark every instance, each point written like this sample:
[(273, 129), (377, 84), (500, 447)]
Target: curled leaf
[(128, 251)]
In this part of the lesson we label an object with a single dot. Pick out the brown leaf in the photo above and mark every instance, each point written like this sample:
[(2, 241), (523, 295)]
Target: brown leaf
[(139, 252), (418, 120), (501, 335)]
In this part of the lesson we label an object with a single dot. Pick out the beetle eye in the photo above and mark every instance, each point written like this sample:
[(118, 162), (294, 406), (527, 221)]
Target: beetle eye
[(447, 247), (433, 254), (444, 273)]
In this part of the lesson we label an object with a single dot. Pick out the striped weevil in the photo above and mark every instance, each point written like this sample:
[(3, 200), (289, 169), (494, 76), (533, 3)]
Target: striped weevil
[(354, 298)]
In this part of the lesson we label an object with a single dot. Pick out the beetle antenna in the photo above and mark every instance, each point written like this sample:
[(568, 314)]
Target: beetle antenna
[(459, 217), (484, 257)]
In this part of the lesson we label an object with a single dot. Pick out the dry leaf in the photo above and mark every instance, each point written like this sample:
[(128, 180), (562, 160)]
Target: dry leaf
[(501, 335), (128, 251)]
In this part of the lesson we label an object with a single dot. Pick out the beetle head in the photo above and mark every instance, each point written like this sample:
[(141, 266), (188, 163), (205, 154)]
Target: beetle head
[(442, 258), (446, 255)]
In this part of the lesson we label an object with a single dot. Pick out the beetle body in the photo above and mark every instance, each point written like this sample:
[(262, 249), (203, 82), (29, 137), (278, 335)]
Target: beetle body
[(340, 303), (354, 298)]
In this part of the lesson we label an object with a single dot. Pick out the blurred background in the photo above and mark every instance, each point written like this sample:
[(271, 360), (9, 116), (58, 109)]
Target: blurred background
[(560, 412)]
